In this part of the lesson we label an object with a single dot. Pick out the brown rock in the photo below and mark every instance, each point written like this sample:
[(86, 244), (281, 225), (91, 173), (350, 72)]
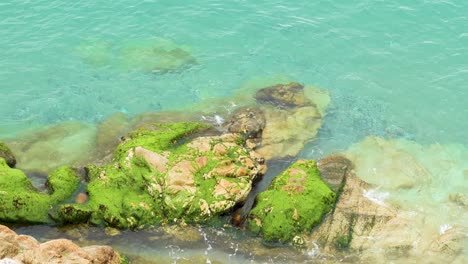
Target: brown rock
[(180, 177), (26, 249), (283, 96), (355, 217), (247, 121), (333, 170), (6, 153), (154, 159), (81, 198)]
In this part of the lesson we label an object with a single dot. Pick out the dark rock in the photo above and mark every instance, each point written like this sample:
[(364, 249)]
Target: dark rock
[(6, 153), (247, 121), (283, 96), (333, 170)]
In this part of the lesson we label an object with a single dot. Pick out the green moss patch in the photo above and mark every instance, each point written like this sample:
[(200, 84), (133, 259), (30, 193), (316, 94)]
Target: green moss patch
[(6, 153), (20, 202), (158, 176), (294, 203)]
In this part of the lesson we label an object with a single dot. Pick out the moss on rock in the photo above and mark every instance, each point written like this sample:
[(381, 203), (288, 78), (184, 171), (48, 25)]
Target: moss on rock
[(157, 176), (293, 204), (6, 153), (20, 202)]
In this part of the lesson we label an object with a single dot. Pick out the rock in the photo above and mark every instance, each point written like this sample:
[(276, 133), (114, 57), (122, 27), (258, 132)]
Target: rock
[(69, 143), (95, 52), (247, 121), (81, 198), (353, 219), (283, 96), (109, 132), (154, 159), (155, 56), (20, 202), (158, 176), (6, 154), (396, 217), (293, 204), (387, 158), (333, 170), (26, 249), (287, 131)]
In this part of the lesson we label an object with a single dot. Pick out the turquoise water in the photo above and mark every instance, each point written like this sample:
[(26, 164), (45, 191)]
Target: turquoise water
[(396, 69), (386, 64)]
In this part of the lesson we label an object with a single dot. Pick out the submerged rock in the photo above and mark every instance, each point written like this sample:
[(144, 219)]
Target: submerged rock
[(157, 177), (293, 115), (26, 249), (157, 55), (109, 132), (69, 143), (293, 204), (283, 96), (333, 170), (6, 153), (20, 202), (397, 216)]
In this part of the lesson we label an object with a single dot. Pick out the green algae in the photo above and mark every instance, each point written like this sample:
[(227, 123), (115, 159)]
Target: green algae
[(294, 203), (157, 137), (20, 202), (6, 153), (131, 193)]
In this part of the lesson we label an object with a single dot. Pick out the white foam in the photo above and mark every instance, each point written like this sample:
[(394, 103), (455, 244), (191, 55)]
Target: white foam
[(444, 228), (376, 196), (219, 120)]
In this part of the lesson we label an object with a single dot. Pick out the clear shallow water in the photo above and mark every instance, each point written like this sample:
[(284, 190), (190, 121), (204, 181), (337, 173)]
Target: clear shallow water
[(395, 69)]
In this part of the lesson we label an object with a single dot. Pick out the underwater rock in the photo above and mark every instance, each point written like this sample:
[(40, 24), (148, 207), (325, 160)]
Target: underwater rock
[(293, 204), (69, 143), (109, 132), (159, 177), (397, 215), (283, 96), (288, 129), (95, 52), (6, 153), (26, 249), (156, 56), (333, 170), (387, 160), (20, 202)]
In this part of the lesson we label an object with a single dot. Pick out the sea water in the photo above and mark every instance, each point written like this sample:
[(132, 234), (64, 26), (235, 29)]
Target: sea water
[(394, 69)]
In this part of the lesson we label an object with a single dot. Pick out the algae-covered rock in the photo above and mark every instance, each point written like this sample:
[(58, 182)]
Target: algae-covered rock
[(20, 202), (157, 176), (6, 153), (293, 204)]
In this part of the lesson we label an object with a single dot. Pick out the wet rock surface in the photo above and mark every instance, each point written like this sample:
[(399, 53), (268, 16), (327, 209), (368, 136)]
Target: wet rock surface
[(26, 249), (153, 179), (283, 96), (293, 204), (333, 170), (6, 154), (248, 121)]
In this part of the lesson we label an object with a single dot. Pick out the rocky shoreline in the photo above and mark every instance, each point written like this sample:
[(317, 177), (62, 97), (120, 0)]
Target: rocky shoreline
[(186, 173)]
